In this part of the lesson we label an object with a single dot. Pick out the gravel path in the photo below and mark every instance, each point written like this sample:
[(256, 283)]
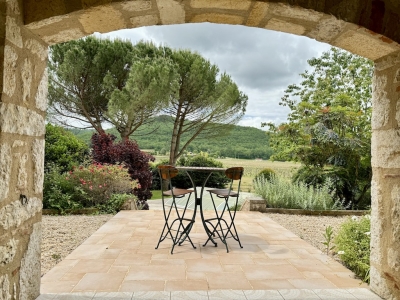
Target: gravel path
[(62, 234)]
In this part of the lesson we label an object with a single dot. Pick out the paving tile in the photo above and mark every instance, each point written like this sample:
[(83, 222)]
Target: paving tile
[(55, 274), (151, 295), (235, 259), (100, 282), (260, 272), (57, 287), (278, 251), (204, 265), (72, 276), (142, 285), (158, 272), (92, 266), (189, 295), (361, 293), (75, 296), (303, 264), (196, 275), (186, 285), (303, 294), (113, 295), (271, 284), (333, 294), (170, 261), (132, 259), (46, 297), (343, 280), (88, 251), (262, 294), (226, 294), (227, 281), (313, 283)]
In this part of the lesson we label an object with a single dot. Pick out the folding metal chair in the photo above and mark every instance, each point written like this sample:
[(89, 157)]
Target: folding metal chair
[(179, 227), (223, 223)]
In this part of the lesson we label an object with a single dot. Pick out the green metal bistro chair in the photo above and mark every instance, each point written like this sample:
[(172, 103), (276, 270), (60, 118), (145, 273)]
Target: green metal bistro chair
[(223, 223), (179, 227)]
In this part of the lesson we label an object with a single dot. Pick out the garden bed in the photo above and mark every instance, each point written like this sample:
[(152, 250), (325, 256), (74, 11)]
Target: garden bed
[(257, 204)]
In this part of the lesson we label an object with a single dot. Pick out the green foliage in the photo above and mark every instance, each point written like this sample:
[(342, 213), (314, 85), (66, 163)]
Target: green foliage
[(63, 149), (241, 142), (79, 78), (152, 81), (94, 185), (216, 180), (58, 191), (114, 203), (328, 236), (353, 245), (266, 173), (207, 102), (281, 193), (329, 126)]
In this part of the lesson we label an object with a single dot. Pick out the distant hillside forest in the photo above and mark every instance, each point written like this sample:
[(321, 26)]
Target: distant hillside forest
[(240, 142)]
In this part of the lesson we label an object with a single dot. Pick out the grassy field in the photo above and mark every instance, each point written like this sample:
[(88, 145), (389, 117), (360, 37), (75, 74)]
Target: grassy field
[(253, 167)]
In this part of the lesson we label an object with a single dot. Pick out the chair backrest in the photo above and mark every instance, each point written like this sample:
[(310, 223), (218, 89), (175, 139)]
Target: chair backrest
[(167, 172), (234, 173)]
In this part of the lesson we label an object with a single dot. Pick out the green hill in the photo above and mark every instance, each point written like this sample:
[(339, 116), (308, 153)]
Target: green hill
[(240, 142)]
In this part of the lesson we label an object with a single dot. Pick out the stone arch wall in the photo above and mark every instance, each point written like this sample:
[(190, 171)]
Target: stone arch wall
[(365, 27)]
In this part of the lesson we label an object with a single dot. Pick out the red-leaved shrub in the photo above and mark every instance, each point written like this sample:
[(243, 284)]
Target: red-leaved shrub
[(106, 150)]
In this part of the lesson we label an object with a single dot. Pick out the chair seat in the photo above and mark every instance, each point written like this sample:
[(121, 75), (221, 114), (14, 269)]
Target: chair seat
[(177, 192), (224, 192)]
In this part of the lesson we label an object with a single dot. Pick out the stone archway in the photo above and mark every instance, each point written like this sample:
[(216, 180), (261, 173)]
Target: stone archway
[(368, 28)]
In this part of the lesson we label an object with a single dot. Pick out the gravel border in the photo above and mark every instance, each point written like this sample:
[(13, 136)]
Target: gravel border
[(62, 234)]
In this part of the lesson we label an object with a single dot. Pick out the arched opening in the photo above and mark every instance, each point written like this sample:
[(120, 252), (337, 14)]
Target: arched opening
[(368, 29)]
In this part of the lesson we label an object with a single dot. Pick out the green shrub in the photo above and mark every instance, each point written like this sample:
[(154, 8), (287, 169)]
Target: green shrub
[(281, 193), (58, 191), (216, 180), (113, 205), (63, 149), (266, 173), (95, 184), (353, 245)]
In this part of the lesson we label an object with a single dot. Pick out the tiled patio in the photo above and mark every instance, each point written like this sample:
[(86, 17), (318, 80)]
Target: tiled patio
[(119, 262)]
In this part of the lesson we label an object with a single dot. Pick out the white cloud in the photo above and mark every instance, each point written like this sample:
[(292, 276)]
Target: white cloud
[(262, 62)]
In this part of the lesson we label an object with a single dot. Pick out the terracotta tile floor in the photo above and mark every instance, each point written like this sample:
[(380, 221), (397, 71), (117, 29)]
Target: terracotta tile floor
[(119, 261)]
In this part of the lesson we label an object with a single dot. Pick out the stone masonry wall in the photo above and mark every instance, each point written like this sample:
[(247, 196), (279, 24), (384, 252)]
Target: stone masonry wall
[(22, 114), (385, 218)]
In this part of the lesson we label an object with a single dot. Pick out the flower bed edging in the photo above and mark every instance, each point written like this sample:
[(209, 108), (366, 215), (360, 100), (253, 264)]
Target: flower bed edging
[(258, 204)]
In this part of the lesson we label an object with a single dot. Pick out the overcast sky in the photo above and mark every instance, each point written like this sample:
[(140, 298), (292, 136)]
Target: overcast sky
[(261, 62)]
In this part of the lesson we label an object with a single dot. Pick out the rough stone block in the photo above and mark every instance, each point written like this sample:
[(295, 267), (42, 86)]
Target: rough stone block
[(41, 94), (64, 36), (380, 102), (327, 29), (37, 48), (38, 165), (13, 32), (10, 70), (5, 170), (222, 4), (29, 279), (171, 12), (22, 181), (218, 18), (280, 25), (257, 14), (5, 288), (20, 120), (7, 252), (294, 12), (26, 75), (102, 19), (144, 20), (137, 5), (385, 145), (364, 44), (16, 213)]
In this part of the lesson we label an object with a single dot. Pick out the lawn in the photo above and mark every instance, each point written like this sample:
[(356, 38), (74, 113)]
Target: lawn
[(253, 167)]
